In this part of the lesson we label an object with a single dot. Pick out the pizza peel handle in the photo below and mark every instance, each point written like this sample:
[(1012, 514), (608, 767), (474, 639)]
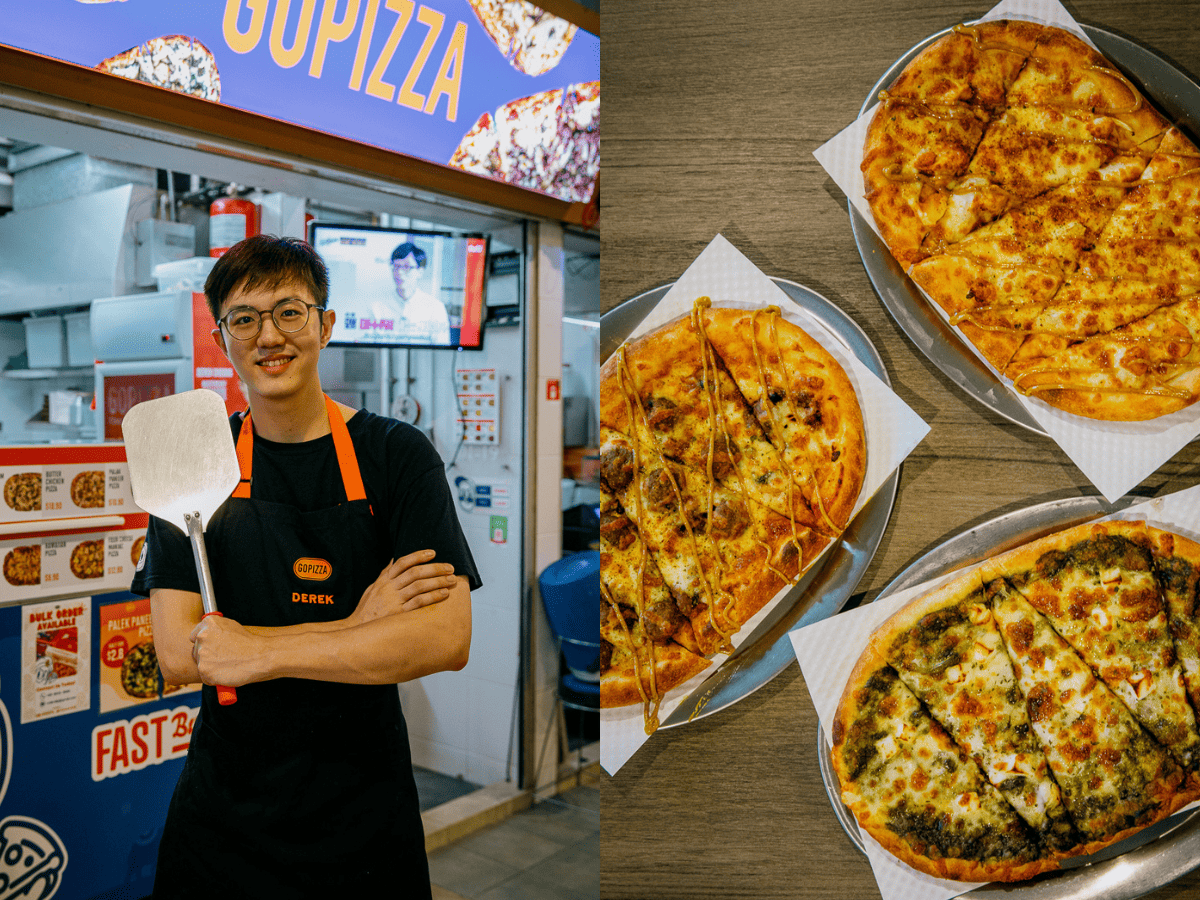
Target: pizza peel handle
[(182, 466)]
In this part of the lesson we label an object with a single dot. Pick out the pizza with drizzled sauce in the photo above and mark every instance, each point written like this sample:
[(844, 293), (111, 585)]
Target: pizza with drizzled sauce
[(732, 453), (1027, 186)]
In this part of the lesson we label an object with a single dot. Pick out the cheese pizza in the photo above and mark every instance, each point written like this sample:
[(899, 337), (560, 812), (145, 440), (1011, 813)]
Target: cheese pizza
[(549, 142), (1027, 186), (174, 61), (732, 453), (531, 39), (1033, 709)]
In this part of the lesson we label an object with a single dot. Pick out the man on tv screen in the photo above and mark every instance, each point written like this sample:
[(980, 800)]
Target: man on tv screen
[(420, 317)]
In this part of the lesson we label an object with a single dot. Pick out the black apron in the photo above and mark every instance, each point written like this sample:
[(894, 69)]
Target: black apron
[(301, 788)]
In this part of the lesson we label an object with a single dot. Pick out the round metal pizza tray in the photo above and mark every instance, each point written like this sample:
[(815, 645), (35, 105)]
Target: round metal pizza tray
[(825, 589), (1132, 868), (1173, 92)]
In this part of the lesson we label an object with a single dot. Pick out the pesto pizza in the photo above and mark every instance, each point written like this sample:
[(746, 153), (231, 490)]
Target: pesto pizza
[(732, 453), (1029, 188), (1033, 709)]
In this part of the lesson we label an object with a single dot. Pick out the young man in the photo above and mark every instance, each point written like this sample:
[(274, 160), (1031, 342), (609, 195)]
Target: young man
[(303, 787), (420, 318)]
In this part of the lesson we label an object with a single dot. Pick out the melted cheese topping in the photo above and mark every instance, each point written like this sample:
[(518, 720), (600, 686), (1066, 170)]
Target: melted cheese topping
[(953, 660), (1112, 615), (1067, 122), (1105, 765)]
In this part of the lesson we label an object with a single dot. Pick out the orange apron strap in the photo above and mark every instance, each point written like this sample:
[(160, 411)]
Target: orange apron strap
[(342, 445), (347, 460), (245, 453)]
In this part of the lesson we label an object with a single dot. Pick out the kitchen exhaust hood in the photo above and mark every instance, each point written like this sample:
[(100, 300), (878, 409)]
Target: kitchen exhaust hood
[(70, 252)]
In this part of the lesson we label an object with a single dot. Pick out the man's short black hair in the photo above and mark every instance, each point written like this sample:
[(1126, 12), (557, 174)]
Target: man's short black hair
[(266, 261), (410, 249)]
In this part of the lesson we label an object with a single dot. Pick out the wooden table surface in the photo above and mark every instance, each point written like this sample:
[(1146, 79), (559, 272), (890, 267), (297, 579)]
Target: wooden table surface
[(711, 115)]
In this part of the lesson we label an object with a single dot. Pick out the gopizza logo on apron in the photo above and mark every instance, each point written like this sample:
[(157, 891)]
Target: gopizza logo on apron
[(311, 569)]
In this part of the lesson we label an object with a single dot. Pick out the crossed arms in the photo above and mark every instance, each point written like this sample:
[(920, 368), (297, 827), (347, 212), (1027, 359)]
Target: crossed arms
[(415, 619)]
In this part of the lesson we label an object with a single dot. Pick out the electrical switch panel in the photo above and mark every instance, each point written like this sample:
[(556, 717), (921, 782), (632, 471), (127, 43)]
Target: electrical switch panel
[(479, 405)]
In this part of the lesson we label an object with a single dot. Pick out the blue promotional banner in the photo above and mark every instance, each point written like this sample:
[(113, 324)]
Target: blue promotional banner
[(88, 757), (498, 88)]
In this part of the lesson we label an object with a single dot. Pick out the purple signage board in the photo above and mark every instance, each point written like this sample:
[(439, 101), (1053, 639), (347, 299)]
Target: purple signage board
[(497, 88)]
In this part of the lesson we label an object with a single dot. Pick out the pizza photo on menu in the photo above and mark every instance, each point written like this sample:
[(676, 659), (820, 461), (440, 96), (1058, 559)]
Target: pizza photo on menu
[(1037, 708), (732, 454), (1027, 186)]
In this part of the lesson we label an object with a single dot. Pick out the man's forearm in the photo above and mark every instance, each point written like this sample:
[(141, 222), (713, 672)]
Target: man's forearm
[(386, 650)]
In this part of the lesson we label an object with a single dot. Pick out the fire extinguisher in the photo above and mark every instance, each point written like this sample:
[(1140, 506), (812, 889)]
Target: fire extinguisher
[(230, 219)]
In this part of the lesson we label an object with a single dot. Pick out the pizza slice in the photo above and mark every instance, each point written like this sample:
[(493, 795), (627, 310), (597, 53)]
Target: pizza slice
[(724, 555), (1029, 150), (990, 300), (1114, 777), (917, 793), (695, 415), (758, 551), (928, 126), (1065, 73), (531, 39), (910, 159), (647, 488), (647, 646), (947, 648), (1177, 565), (1096, 586), (626, 564), (1139, 371), (804, 401), (1082, 308), (173, 61)]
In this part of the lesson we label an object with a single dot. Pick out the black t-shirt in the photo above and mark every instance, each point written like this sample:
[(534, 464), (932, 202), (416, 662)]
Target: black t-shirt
[(401, 471)]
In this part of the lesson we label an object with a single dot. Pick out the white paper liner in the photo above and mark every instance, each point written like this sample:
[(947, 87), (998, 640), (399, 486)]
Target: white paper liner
[(828, 651), (892, 429), (1115, 456)]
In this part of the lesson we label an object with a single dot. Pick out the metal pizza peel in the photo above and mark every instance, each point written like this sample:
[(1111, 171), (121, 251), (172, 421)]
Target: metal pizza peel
[(182, 466)]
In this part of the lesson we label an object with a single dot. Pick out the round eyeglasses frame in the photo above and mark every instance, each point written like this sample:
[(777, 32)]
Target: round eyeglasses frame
[(286, 326)]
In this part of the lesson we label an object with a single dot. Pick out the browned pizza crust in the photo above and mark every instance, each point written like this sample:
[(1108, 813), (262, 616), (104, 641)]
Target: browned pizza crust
[(1025, 557), (674, 666), (1119, 739), (1016, 175)]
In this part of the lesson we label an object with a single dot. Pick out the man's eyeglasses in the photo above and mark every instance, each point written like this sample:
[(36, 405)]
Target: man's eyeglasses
[(289, 316)]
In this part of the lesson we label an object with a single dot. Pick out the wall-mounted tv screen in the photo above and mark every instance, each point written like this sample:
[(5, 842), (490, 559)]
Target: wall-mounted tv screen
[(402, 288)]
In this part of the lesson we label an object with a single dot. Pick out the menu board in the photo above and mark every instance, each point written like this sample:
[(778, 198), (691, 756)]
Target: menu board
[(48, 565), (34, 491)]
